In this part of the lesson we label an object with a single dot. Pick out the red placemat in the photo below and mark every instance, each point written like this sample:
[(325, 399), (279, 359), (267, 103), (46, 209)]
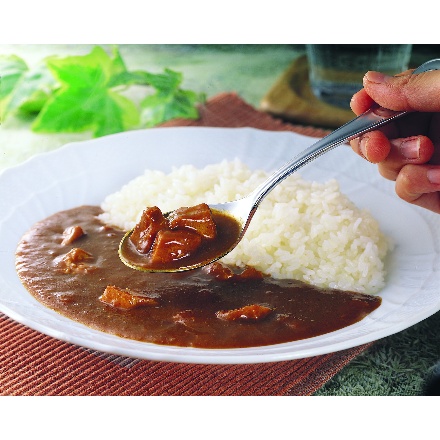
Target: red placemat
[(35, 364)]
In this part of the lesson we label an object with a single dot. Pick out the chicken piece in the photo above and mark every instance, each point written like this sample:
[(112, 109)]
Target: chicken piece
[(71, 234), (174, 245), (219, 271), (254, 312), (198, 218), (144, 233), (222, 273), (250, 273), (74, 261), (123, 299)]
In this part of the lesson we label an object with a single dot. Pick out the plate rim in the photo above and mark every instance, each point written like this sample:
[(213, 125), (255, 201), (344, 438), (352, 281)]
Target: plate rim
[(214, 356)]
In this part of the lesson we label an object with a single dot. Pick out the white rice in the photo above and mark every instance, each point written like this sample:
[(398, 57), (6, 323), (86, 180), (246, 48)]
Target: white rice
[(304, 230)]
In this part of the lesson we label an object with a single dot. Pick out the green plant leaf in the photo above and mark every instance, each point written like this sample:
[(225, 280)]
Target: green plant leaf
[(85, 100), (12, 68), (161, 107), (169, 101), (85, 93), (65, 112), (167, 82), (31, 91), (84, 71), (103, 112)]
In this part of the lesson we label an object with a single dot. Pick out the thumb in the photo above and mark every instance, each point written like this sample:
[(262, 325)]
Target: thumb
[(419, 92)]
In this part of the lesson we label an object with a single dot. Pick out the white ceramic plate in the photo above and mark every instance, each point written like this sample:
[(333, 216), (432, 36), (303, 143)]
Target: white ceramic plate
[(85, 172)]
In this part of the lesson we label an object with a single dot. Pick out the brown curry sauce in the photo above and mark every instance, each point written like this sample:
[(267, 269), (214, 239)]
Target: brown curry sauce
[(69, 262)]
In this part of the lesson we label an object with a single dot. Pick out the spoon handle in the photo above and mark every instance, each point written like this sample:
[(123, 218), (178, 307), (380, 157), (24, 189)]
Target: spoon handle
[(373, 118)]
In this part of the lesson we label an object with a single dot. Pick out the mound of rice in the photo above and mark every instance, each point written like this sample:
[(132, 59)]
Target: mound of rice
[(303, 230)]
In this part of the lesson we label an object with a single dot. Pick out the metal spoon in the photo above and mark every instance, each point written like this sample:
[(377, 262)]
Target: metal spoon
[(243, 210)]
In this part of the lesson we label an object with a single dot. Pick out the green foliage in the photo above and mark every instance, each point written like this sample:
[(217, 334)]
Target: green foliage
[(169, 101), (82, 93)]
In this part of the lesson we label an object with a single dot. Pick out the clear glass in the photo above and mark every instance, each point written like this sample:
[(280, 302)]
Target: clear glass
[(336, 70)]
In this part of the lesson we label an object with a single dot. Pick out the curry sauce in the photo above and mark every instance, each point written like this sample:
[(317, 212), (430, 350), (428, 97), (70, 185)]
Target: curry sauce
[(69, 262)]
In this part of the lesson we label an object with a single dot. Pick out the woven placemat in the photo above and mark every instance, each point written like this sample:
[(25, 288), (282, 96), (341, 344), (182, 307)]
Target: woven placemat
[(38, 365)]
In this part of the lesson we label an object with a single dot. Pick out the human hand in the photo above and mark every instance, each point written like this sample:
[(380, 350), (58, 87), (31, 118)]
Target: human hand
[(408, 149)]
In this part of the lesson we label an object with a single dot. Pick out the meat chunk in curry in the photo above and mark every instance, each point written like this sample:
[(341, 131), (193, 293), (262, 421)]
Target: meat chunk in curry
[(152, 221), (197, 218), (172, 237)]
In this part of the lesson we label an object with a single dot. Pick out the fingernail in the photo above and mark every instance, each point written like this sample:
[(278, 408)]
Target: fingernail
[(434, 175), (363, 146), (410, 148), (376, 77)]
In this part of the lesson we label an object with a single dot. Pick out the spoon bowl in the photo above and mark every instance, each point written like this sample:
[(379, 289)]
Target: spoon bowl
[(229, 231), (242, 210)]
